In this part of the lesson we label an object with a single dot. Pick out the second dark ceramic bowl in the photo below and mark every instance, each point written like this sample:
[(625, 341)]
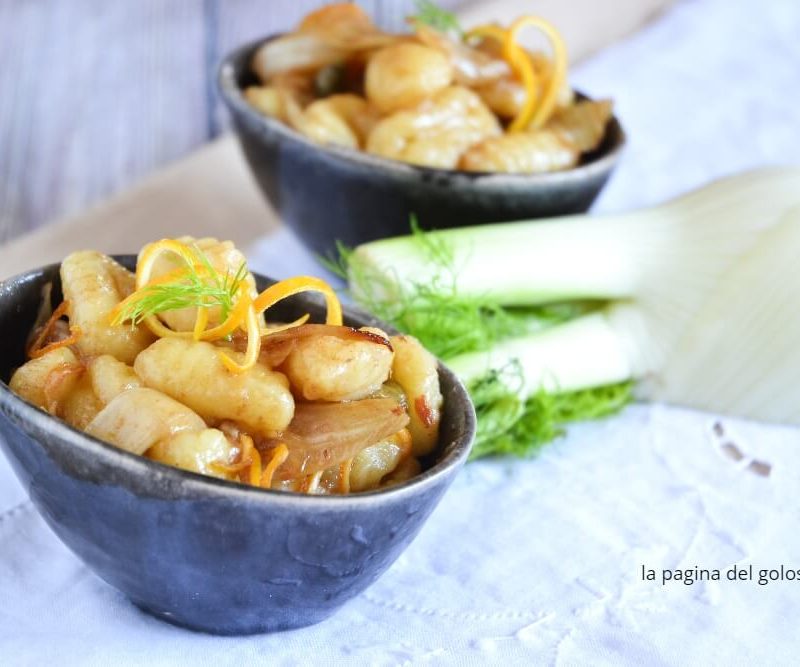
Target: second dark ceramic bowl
[(330, 193), (200, 552)]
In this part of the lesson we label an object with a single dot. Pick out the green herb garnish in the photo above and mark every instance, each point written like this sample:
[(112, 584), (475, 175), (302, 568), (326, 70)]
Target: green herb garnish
[(193, 289), (437, 18), (508, 425)]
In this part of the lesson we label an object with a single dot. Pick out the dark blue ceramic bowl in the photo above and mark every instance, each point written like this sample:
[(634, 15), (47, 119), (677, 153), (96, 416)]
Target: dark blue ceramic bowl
[(204, 553), (330, 193)]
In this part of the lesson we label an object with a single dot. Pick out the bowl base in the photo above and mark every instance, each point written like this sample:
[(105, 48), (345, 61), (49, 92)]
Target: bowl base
[(235, 629)]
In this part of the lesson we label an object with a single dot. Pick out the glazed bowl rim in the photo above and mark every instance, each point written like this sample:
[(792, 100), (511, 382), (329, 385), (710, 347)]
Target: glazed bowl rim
[(233, 96), (21, 412)]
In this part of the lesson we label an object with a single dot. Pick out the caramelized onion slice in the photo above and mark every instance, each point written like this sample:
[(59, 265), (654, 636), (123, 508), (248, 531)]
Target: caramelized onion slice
[(325, 37), (309, 330), (323, 435), (347, 26), (295, 51)]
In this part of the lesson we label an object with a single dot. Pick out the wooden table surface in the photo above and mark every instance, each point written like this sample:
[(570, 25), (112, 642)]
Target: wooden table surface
[(94, 95)]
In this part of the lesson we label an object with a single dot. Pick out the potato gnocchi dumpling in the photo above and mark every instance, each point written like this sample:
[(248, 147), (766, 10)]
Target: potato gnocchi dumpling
[(179, 362), (438, 96)]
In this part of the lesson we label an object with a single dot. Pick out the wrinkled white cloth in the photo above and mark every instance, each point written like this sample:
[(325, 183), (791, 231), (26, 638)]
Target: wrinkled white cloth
[(540, 561)]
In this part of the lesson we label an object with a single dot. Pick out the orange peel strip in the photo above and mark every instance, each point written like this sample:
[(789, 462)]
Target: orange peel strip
[(253, 345), (144, 269), (200, 323), (279, 456), (520, 63), (255, 468), (35, 349), (152, 251), (251, 456), (533, 115), (236, 318), (75, 334), (291, 286), (268, 331)]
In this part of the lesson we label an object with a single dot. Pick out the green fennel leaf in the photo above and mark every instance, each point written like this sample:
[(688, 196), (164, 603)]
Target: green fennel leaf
[(190, 290), (510, 426), (437, 18)]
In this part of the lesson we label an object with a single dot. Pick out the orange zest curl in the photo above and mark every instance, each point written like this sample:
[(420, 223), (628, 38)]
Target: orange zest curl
[(254, 473), (283, 327), (279, 456), (38, 349), (535, 115), (144, 271), (244, 309), (291, 286), (253, 344), (249, 464), (151, 252), (236, 318), (200, 323), (535, 112)]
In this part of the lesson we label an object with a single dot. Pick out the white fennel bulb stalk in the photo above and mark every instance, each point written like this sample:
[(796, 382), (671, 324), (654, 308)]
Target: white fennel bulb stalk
[(699, 291), (588, 257)]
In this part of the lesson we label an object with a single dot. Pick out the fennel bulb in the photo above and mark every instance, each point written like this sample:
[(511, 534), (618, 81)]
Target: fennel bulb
[(666, 295)]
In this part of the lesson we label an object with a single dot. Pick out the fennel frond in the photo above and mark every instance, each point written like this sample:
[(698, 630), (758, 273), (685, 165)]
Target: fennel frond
[(199, 285), (430, 14)]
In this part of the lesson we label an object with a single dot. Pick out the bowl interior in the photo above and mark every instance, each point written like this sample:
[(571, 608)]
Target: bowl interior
[(235, 75), (20, 298)]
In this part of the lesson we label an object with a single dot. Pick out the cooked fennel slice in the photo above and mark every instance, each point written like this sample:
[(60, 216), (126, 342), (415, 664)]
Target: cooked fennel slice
[(685, 242), (741, 355)]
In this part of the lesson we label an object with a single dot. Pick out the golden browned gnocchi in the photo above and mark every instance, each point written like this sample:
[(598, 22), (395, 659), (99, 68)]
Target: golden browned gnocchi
[(403, 75), (110, 377), (47, 379), (94, 285), (192, 372), (415, 370), (176, 362), (80, 405), (332, 368), (437, 96), (206, 451), (437, 132)]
